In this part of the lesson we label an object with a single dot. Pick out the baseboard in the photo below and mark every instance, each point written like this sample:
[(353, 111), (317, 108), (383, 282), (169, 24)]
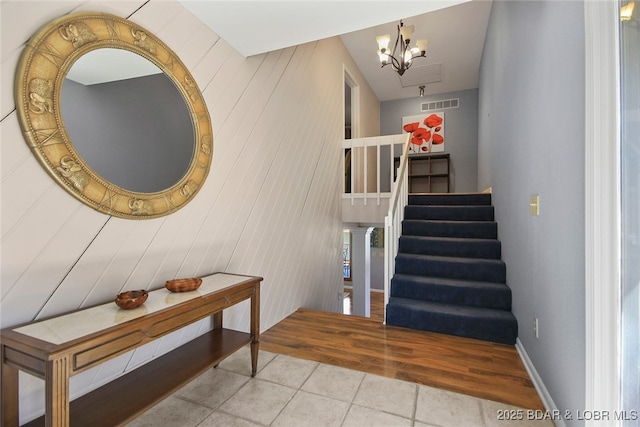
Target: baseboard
[(547, 401)]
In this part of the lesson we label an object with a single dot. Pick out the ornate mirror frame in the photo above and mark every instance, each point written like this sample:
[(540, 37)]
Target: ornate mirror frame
[(42, 68)]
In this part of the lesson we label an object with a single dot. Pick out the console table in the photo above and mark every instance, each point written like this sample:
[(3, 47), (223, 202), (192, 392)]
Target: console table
[(57, 348)]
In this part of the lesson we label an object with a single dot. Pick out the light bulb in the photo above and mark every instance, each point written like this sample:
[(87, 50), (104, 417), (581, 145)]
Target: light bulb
[(407, 58), (384, 57), (383, 42)]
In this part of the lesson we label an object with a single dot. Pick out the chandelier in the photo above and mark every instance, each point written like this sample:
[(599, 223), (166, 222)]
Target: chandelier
[(405, 53)]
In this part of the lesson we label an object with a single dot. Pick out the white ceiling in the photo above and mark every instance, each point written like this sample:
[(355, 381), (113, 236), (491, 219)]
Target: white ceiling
[(456, 30)]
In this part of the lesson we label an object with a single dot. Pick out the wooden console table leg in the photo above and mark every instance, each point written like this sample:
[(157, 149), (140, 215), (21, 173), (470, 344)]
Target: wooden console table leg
[(255, 330), (9, 406), (217, 320), (217, 324), (57, 393)]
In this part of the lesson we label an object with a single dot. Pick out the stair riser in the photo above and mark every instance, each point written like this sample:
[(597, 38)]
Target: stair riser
[(450, 199), (494, 299), (494, 330), (450, 213), (470, 230), (471, 248), (425, 266)]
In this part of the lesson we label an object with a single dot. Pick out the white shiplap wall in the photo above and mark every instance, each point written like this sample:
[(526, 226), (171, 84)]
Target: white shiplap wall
[(270, 206)]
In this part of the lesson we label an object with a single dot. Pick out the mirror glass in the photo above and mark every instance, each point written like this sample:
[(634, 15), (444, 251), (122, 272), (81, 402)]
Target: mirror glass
[(127, 120)]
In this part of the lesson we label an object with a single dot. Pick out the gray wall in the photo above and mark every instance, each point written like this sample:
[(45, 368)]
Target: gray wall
[(461, 132), (531, 141), (135, 133)]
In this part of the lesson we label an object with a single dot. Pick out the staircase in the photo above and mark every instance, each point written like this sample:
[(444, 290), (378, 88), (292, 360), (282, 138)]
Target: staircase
[(449, 276)]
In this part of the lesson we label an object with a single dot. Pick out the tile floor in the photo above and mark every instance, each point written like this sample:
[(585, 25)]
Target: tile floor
[(295, 392)]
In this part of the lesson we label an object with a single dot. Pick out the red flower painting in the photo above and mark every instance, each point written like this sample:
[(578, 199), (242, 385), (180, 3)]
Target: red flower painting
[(427, 133), (433, 121)]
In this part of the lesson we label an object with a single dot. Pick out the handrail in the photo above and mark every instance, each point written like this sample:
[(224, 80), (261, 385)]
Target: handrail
[(393, 220)]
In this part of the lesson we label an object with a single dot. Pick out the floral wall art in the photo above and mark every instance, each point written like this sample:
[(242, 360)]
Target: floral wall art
[(427, 132)]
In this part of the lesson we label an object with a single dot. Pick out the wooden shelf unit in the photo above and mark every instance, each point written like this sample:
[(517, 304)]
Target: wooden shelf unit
[(119, 401), (429, 173)]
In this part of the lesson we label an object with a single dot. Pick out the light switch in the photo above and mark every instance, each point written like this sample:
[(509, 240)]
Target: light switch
[(534, 205)]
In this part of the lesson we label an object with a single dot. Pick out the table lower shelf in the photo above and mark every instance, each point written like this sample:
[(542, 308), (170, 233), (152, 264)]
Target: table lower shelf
[(133, 393)]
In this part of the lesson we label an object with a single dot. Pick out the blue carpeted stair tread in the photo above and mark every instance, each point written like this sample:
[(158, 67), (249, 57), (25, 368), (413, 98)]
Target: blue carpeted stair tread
[(441, 228), (473, 322), (451, 246), (489, 270), (450, 199), (451, 291), (451, 213)]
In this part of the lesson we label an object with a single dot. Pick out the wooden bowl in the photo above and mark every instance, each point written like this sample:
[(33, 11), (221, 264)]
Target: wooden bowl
[(183, 285), (131, 299)]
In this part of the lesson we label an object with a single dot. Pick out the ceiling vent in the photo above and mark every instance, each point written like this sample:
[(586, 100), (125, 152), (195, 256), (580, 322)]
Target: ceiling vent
[(421, 75)]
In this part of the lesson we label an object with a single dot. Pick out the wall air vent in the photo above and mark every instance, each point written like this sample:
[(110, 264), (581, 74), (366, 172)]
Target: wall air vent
[(440, 105)]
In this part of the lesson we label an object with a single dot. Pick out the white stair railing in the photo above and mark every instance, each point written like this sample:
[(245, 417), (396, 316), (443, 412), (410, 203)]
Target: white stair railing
[(366, 177), (393, 220)]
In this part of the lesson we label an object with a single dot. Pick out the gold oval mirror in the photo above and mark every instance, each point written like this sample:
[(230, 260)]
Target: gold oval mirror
[(148, 165)]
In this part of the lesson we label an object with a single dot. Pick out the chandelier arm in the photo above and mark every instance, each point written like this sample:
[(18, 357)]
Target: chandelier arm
[(398, 40), (395, 64), (398, 64)]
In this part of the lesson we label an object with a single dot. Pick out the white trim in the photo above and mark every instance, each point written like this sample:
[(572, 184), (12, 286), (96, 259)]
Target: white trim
[(544, 394), (347, 79), (602, 208), (355, 100)]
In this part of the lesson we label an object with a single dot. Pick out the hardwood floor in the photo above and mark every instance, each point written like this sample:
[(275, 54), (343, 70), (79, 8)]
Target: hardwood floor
[(473, 367), (376, 305)]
